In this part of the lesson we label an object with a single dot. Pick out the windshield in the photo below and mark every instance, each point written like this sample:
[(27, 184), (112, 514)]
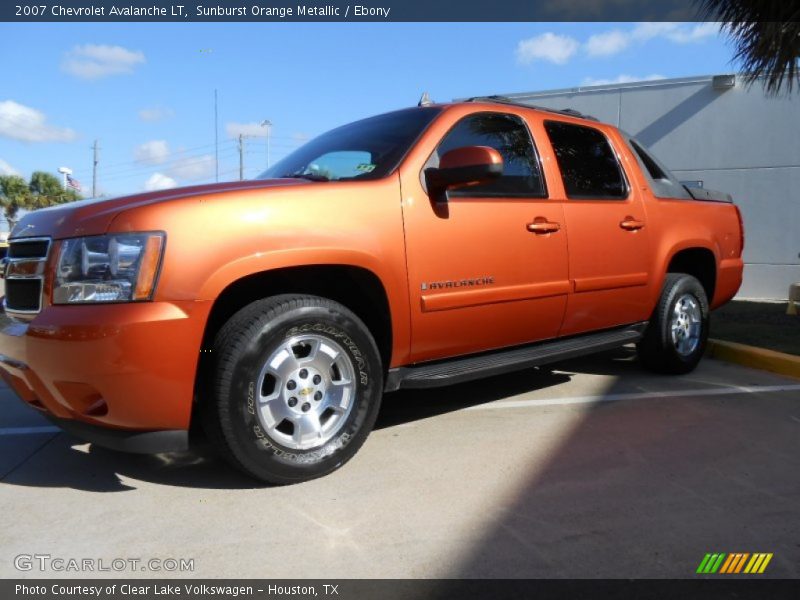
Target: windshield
[(367, 149)]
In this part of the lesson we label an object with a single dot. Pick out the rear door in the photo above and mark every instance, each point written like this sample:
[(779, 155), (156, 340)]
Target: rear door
[(607, 231), (479, 277)]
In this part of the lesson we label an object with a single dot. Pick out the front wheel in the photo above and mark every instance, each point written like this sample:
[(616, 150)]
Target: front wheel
[(678, 331), (296, 387)]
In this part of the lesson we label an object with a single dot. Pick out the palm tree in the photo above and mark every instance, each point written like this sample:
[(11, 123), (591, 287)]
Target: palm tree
[(767, 37), (43, 190), (14, 195)]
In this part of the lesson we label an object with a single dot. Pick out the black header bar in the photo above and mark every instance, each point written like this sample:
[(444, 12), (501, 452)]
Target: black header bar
[(333, 10), (731, 587)]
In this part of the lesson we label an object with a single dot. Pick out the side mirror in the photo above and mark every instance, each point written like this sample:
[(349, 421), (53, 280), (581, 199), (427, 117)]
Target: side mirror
[(470, 165)]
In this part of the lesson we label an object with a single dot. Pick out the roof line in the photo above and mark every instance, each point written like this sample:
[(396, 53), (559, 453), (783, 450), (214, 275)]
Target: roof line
[(615, 86), (569, 112)]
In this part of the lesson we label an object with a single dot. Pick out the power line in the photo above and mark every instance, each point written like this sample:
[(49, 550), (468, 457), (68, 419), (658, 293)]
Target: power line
[(192, 149), (159, 168), (171, 163), (137, 164)]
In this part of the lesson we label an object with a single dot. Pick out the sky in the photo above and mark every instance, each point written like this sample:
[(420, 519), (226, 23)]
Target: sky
[(146, 91)]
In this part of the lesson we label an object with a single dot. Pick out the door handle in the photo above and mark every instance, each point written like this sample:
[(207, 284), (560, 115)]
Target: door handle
[(541, 225), (631, 224)]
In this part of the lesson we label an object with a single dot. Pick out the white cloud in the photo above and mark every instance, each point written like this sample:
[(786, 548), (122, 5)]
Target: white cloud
[(675, 32), (608, 43), (155, 113), (615, 41), (695, 34), (647, 31), (93, 61), (26, 124), (159, 181), (154, 152), (7, 169), (548, 46), (193, 168), (246, 129), (620, 79)]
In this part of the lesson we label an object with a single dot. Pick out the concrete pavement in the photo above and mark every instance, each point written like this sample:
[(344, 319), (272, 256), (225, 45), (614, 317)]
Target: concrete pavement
[(596, 469)]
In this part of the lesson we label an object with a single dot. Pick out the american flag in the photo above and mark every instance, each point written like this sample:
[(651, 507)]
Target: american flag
[(73, 183)]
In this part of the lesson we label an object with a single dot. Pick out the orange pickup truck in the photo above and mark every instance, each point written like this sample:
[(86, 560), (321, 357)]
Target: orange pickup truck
[(417, 248)]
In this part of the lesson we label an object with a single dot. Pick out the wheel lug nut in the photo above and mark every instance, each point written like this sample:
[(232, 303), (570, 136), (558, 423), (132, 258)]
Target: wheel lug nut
[(292, 401), (291, 385), (303, 373), (306, 407), (318, 396), (317, 379)]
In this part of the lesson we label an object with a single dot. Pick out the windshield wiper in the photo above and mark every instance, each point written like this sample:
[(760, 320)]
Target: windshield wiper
[(309, 176)]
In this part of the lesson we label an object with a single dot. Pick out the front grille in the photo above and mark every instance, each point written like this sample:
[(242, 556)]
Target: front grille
[(23, 294), (28, 249), (24, 276)]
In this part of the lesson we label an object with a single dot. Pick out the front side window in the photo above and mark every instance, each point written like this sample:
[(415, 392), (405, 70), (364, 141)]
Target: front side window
[(589, 166), (508, 135)]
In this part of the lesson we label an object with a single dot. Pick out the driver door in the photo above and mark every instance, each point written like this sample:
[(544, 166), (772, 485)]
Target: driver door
[(479, 278)]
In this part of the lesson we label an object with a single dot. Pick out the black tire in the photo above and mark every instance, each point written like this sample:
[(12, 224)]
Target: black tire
[(657, 350), (241, 349)]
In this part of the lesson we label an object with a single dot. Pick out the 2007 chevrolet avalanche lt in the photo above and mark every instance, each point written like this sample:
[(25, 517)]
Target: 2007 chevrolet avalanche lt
[(417, 248)]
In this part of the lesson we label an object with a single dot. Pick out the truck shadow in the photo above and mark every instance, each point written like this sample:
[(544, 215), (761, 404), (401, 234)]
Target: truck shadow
[(644, 489), (66, 462)]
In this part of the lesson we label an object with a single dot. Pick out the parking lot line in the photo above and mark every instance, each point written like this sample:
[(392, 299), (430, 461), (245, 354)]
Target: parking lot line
[(753, 389)]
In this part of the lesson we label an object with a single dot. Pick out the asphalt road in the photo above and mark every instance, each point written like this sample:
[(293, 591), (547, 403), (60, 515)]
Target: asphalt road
[(596, 469)]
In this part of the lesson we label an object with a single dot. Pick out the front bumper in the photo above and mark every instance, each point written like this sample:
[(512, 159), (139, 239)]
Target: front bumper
[(124, 440), (119, 375)]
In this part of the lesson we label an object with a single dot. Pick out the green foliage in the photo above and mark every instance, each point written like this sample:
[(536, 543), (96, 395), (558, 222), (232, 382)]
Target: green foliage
[(44, 189), (14, 194)]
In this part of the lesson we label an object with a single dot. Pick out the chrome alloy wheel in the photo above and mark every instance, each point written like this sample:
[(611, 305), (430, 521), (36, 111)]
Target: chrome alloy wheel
[(686, 325), (305, 392)]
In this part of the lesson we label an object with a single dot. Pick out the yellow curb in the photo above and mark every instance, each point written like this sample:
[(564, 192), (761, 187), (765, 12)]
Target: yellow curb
[(755, 358)]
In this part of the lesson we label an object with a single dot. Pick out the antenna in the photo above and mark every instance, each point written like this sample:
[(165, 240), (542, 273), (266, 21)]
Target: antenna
[(425, 100)]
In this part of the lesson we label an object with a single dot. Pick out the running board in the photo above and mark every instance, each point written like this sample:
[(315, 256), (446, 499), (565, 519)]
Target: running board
[(478, 366)]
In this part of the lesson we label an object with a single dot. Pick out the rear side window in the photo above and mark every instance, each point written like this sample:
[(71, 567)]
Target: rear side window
[(662, 182), (522, 175), (589, 166), (649, 162)]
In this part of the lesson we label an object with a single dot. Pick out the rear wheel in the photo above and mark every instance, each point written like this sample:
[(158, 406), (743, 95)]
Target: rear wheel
[(678, 331), (296, 386)]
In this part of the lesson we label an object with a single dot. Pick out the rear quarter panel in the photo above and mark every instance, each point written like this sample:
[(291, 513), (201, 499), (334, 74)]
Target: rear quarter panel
[(681, 224), (686, 224)]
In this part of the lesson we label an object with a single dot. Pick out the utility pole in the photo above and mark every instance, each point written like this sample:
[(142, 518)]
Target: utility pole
[(241, 157), (95, 149), (268, 124), (216, 137)]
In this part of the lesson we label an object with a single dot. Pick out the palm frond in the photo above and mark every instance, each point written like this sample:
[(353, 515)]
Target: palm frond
[(767, 38)]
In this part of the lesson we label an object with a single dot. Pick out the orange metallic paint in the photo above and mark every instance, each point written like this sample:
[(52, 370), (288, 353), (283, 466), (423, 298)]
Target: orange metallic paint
[(471, 237), (557, 267)]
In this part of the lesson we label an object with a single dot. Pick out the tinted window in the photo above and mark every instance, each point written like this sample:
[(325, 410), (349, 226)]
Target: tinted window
[(649, 163), (509, 136), (588, 164), (367, 149), (662, 182)]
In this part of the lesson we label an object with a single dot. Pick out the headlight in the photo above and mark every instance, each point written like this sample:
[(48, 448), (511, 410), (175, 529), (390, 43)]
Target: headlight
[(120, 267)]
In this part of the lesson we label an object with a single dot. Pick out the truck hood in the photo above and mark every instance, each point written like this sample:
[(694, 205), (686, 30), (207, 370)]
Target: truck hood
[(92, 217)]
